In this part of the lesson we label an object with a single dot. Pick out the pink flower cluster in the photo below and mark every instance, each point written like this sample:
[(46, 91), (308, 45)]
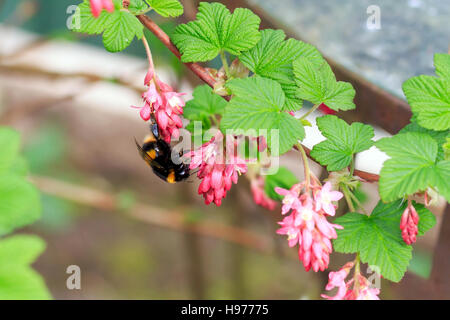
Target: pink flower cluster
[(216, 171), (98, 5), (307, 225), (409, 224), (363, 291), (259, 195), (166, 105)]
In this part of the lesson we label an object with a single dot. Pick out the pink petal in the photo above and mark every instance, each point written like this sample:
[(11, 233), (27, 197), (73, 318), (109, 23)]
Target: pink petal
[(108, 5), (216, 179), (281, 191), (96, 7), (162, 119), (336, 195), (145, 113)]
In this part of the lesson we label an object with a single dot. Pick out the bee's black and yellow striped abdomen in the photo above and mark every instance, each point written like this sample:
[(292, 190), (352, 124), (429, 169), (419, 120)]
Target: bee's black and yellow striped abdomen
[(157, 154)]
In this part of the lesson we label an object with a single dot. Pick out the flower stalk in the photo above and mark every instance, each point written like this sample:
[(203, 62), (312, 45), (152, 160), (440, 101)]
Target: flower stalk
[(314, 107), (305, 166), (225, 64)]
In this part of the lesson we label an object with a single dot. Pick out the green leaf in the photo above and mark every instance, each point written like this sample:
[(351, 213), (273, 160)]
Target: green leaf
[(167, 8), (137, 7), (17, 280), (427, 219), (272, 58), (19, 203), (412, 166), (206, 104), (121, 30), (318, 85), (9, 146), (284, 178), (378, 237), (89, 24), (216, 30), (446, 147), (257, 105), (429, 96), (441, 178), (439, 136), (343, 141), (442, 64)]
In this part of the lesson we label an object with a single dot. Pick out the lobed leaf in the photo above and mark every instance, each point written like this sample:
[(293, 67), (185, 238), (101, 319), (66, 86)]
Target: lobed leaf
[(121, 30), (318, 85), (119, 27), (216, 30), (257, 105), (167, 8), (429, 96), (413, 166), (272, 58), (378, 237), (89, 24), (439, 136), (343, 141)]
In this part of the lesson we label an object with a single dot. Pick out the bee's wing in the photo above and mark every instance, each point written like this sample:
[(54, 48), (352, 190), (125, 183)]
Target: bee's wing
[(145, 156)]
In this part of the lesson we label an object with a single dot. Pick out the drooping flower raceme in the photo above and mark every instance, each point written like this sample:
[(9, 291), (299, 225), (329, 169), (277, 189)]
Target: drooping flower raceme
[(98, 5), (307, 225), (217, 171), (165, 104), (348, 290), (409, 224)]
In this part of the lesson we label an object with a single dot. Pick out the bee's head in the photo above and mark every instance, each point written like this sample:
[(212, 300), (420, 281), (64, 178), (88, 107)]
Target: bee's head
[(182, 172)]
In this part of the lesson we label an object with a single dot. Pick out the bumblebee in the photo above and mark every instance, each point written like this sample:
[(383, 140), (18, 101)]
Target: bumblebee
[(158, 155)]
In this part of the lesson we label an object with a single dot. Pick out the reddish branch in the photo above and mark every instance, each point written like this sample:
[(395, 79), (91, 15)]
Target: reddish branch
[(206, 77)]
